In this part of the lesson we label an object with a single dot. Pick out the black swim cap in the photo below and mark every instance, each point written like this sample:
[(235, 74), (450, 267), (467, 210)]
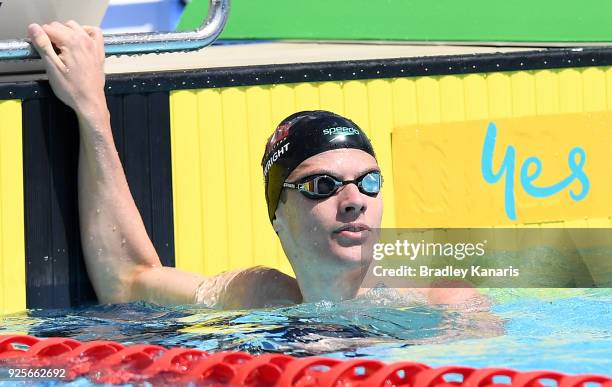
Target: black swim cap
[(303, 135)]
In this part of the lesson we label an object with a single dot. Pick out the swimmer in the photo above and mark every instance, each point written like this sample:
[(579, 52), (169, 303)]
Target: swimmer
[(322, 184)]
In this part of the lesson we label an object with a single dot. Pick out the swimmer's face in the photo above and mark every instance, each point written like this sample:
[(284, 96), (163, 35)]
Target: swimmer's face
[(319, 227)]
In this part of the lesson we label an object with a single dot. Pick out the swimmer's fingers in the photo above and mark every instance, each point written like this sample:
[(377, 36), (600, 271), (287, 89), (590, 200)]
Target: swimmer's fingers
[(96, 34), (75, 27), (59, 34), (62, 37), (43, 45)]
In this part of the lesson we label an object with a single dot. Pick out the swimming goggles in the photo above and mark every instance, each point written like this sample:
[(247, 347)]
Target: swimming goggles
[(324, 186)]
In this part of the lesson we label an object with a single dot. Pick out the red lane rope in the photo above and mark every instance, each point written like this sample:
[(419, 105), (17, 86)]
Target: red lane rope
[(110, 362)]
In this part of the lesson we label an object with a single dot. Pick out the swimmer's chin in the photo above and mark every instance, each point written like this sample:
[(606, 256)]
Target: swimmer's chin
[(351, 254)]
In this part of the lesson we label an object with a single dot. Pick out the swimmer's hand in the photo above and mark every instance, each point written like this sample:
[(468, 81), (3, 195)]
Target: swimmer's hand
[(73, 56)]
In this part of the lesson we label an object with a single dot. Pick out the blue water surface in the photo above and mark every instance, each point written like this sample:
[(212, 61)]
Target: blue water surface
[(563, 330)]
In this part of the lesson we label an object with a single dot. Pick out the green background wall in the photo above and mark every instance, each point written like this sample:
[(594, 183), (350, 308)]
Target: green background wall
[(420, 20)]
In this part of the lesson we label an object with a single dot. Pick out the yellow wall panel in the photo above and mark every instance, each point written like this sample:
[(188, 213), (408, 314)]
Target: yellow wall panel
[(380, 107), (523, 94), (186, 188), (12, 241), (547, 92), (499, 92), (594, 89), (404, 102), (237, 177), (356, 104), (476, 97), (570, 91), (214, 205), (608, 72), (331, 97), (282, 103), (452, 104), (428, 99), (306, 97), (265, 251)]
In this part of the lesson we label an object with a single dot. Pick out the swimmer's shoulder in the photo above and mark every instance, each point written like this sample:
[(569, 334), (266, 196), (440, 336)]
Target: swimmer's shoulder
[(252, 288), (265, 286)]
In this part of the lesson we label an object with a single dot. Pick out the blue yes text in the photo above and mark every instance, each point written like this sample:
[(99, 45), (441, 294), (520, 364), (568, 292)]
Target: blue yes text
[(575, 160)]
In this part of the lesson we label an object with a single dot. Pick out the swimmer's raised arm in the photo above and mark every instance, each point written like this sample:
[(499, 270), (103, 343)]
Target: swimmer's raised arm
[(120, 258), (116, 247)]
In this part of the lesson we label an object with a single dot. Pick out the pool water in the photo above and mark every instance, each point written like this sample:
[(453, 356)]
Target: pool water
[(563, 330)]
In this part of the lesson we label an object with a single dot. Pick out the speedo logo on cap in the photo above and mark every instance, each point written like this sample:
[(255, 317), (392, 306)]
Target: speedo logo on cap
[(340, 130)]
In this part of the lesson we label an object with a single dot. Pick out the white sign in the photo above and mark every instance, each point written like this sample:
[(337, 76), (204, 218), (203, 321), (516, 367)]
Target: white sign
[(16, 15)]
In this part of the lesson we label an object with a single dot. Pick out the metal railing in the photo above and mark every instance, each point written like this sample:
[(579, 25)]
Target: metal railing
[(141, 43)]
